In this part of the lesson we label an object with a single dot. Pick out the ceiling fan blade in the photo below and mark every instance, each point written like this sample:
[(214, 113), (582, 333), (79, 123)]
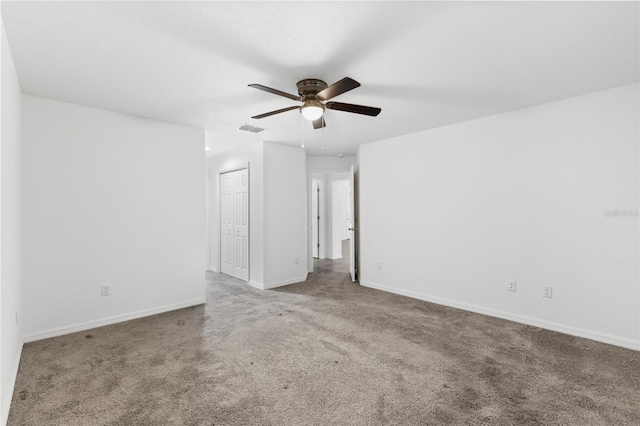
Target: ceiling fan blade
[(275, 91), (267, 114), (358, 109), (319, 123), (338, 88)]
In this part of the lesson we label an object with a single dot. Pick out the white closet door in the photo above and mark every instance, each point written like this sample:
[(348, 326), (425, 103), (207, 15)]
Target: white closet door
[(234, 224), (241, 224), (226, 223)]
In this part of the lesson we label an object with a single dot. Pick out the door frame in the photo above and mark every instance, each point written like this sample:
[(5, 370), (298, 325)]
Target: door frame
[(353, 225), (235, 168), (310, 173), (315, 217)]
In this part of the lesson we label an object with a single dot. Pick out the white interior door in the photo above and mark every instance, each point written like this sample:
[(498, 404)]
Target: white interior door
[(353, 230), (234, 220), (241, 223), (226, 224)]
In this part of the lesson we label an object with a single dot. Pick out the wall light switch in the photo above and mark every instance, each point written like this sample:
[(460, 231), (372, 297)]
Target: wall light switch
[(547, 292), (511, 286), (379, 264)]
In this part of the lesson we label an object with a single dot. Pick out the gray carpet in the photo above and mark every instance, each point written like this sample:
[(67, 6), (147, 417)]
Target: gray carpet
[(323, 352)]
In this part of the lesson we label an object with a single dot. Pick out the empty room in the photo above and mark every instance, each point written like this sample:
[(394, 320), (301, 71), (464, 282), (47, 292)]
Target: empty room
[(320, 213)]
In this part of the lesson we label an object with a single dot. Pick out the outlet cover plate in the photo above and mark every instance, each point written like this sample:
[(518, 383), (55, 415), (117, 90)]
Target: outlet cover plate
[(105, 289)]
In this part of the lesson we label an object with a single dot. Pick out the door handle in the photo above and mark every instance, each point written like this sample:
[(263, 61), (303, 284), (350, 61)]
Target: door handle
[(353, 229)]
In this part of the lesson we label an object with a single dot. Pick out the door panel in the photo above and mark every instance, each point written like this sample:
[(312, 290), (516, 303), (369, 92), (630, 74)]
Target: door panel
[(234, 220), (226, 224), (242, 223)]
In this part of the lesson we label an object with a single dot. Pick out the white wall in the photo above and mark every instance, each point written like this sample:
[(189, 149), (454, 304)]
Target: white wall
[(326, 164), (251, 157), (277, 211), (10, 230), (285, 215), (455, 213), (108, 198)]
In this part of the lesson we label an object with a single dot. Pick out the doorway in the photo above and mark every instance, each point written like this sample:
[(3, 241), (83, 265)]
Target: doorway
[(234, 224), (329, 221), (334, 265)]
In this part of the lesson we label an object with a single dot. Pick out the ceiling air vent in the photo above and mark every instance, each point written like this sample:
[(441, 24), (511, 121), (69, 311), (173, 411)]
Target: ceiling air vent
[(251, 129)]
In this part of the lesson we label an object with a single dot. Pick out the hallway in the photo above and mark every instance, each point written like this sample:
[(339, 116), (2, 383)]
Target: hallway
[(337, 265)]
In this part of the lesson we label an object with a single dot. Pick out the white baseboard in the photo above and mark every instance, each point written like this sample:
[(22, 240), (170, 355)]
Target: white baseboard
[(261, 286), (573, 331), (60, 331), (286, 282), (6, 405), (256, 284), (213, 269)]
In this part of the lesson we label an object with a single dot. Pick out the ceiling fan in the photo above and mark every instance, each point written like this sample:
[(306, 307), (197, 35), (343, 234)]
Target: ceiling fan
[(313, 94)]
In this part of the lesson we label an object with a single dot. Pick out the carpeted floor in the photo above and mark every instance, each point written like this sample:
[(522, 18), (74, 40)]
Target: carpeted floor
[(323, 352)]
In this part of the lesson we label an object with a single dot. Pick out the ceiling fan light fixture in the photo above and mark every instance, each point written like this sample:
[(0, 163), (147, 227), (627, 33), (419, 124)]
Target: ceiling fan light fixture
[(312, 110)]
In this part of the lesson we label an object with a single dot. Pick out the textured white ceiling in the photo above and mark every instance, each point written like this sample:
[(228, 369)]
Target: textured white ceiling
[(426, 64)]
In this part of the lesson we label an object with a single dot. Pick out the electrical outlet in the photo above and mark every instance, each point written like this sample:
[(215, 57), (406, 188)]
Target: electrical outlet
[(379, 264), (511, 286), (547, 292), (105, 289), (296, 261)]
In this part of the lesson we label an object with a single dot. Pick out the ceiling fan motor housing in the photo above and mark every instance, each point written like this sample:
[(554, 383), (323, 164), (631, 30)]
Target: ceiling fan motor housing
[(308, 88)]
